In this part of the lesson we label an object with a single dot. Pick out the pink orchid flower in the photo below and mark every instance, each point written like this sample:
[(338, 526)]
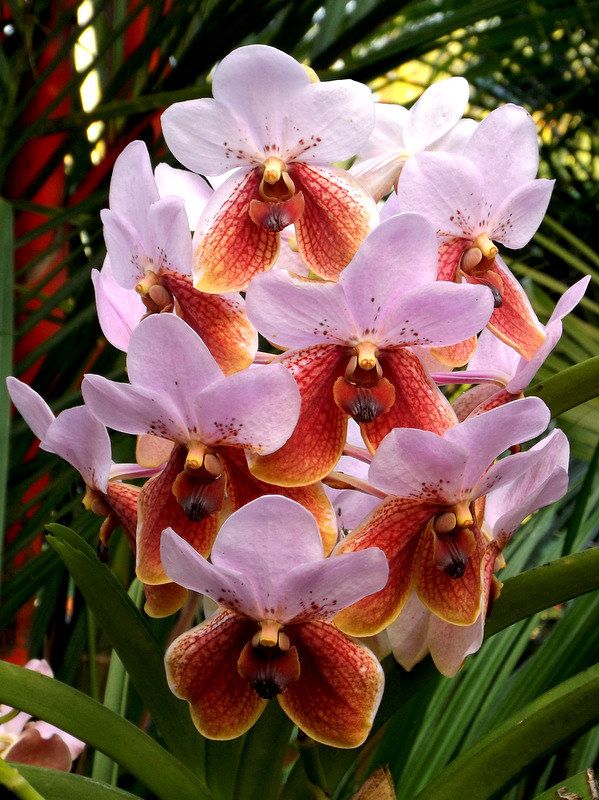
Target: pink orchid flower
[(501, 373), (282, 131), (272, 636), (150, 249), (488, 194), (430, 528), (434, 122), (418, 630), (82, 440), (37, 743), (179, 393), (349, 345)]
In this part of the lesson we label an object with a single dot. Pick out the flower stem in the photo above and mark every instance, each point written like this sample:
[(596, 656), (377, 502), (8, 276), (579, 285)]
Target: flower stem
[(314, 772), (339, 480), (357, 452), (13, 780)]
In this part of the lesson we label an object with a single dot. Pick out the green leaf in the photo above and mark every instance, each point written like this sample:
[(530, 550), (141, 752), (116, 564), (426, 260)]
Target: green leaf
[(74, 712), (6, 343), (543, 587), (56, 785), (577, 784), (261, 761), (538, 729), (130, 636), (569, 388)]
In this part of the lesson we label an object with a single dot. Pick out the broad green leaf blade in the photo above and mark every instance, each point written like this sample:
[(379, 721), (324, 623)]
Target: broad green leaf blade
[(56, 785), (116, 694), (74, 712), (131, 638), (261, 761), (543, 587), (582, 503), (569, 388), (576, 784), (538, 729), (6, 343)]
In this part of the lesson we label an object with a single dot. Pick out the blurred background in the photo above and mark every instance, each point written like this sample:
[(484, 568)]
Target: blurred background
[(79, 81)]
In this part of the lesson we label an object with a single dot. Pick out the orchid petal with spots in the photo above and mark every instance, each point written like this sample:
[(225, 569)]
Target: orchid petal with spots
[(355, 337), (430, 528), (276, 615), (282, 136)]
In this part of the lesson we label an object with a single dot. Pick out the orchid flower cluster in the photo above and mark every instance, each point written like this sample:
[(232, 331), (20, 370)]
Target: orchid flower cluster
[(325, 492)]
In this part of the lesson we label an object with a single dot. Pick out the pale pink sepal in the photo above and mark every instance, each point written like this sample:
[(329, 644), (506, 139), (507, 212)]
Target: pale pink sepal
[(295, 581), (119, 310)]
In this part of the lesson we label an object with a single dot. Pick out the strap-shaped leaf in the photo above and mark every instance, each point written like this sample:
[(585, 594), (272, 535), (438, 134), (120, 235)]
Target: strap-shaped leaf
[(74, 712), (502, 755), (131, 637), (570, 387), (53, 784)]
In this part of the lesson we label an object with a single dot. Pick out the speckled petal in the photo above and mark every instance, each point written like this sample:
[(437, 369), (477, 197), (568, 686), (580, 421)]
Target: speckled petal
[(338, 214), (515, 322), (418, 401), (314, 447), (201, 667), (395, 527), (339, 688), (220, 321), (158, 508), (229, 248)]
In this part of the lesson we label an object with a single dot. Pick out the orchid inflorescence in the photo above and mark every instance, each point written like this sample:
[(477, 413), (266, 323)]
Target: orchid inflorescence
[(310, 533)]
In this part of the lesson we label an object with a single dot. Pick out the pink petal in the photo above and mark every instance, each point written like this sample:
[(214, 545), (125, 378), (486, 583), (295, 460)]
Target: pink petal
[(257, 409), (526, 370), (351, 508), (168, 358), (449, 190), (82, 440), (505, 147), (450, 644), (408, 634), (132, 187), (33, 408), (272, 525), (133, 409), (128, 255), (435, 113), (440, 314), (421, 464), (456, 140), (518, 217), (400, 254), (387, 134), (191, 188), (569, 300), (225, 586), (327, 122), (207, 137), (292, 313), (544, 481), (492, 357), (258, 83), (486, 436), (119, 310), (46, 731), (171, 238), (319, 591)]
